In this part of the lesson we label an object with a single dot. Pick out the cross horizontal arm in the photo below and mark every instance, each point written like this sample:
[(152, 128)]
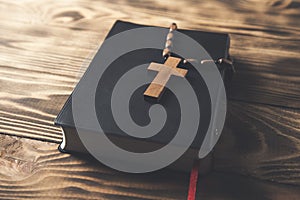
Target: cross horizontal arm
[(164, 73)]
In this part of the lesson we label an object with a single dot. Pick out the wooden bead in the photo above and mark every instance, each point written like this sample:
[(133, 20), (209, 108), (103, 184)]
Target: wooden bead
[(170, 36), (168, 44), (173, 27), (166, 52)]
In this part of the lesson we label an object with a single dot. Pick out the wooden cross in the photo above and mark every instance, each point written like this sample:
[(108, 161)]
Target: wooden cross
[(164, 73)]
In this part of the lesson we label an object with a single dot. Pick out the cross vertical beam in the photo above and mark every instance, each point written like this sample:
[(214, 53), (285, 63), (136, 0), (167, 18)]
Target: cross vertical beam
[(164, 73)]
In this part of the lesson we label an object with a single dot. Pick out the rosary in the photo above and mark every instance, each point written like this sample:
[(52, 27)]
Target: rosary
[(170, 67)]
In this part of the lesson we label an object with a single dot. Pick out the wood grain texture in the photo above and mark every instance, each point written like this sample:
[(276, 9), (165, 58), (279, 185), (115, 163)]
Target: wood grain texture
[(36, 170), (261, 141), (46, 46)]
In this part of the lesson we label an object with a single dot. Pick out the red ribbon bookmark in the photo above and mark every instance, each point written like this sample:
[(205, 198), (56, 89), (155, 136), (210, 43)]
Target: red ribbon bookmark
[(193, 181)]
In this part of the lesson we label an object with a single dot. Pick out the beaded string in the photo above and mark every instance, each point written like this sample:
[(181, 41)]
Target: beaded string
[(169, 40), (169, 43)]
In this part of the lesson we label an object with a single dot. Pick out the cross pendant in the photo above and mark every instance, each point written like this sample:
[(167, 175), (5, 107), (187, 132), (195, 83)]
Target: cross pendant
[(164, 73)]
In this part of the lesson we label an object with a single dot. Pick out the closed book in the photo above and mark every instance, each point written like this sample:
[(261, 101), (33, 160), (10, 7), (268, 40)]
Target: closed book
[(216, 45)]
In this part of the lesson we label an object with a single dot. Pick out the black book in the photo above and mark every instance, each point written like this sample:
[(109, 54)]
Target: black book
[(216, 44)]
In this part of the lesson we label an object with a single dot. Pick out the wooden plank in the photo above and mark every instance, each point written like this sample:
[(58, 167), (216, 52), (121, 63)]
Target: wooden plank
[(272, 80), (46, 46), (258, 140), (261, 141), (35, 170)]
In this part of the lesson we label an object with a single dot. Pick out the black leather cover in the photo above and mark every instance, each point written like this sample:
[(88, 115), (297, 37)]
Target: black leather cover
[(216, 44)]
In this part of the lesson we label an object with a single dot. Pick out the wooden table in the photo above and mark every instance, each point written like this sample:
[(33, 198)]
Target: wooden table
[(46, 46)]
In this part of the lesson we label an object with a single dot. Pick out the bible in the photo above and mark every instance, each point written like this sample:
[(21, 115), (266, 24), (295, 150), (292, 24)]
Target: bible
[(111, 88)]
